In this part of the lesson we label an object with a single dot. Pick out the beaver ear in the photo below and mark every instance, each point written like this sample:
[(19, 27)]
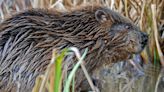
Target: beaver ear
[(101, 16)]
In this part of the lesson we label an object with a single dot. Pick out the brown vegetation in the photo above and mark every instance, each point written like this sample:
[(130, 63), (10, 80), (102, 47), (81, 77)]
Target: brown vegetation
[(121, 77)]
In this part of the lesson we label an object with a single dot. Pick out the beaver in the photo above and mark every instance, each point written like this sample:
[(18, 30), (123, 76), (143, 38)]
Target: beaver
[(28, 38)]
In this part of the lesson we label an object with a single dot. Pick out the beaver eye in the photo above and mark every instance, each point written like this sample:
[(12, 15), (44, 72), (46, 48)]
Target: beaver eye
[(128, 27)]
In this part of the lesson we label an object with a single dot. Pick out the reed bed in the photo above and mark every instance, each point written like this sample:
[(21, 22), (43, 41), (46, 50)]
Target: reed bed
[(123, 77)]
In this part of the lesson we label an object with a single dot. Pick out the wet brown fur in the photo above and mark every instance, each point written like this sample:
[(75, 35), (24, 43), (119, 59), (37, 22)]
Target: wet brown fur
[(28, 38)]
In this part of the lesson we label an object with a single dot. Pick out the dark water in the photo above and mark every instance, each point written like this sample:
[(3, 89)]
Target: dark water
[(124, 77)]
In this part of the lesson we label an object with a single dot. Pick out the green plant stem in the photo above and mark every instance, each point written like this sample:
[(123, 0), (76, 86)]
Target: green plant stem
[(68, 82)]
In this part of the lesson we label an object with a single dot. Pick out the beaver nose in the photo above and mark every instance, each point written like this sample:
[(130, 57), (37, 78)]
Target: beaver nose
[(144, 37)]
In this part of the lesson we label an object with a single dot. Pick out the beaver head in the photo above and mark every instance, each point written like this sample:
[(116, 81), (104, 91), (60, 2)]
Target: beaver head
[(128, 36), (116, 37)]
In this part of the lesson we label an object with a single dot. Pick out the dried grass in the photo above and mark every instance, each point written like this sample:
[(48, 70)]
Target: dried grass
[(149, 19)]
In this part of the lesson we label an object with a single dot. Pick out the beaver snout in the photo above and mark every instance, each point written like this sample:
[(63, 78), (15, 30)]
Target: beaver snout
[(144, 39)]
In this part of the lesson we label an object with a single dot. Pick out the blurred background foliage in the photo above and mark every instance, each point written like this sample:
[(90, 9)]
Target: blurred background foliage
[(147, 14)]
